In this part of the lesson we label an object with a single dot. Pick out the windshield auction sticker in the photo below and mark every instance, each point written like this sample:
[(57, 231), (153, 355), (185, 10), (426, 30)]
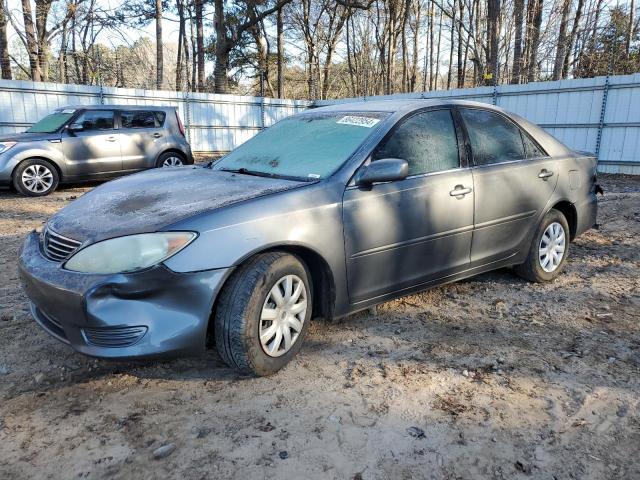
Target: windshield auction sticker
[(366, 122)]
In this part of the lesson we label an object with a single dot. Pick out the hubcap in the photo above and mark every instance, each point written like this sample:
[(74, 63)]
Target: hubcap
[(172, 162), (283, 315), (551, 249), (37, 178)]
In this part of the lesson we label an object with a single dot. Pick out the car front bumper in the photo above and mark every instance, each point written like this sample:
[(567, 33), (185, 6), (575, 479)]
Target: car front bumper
[(155, 312)]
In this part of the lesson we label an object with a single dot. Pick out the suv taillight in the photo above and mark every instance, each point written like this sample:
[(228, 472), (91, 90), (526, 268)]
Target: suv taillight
[(180, 125)]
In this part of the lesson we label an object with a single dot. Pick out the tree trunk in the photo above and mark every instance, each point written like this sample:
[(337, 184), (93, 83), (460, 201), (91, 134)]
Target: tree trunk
[(200, 39), (42, 14), (493, 32), (632, 13), (181, 34), (452, 46), (431, 49), (518, 8), (572, 39), (562, 40), (32, 47), (536, 21), (159, 56), (460, 72), (435, 82), (5, 63), (221, 82), (280, 54)]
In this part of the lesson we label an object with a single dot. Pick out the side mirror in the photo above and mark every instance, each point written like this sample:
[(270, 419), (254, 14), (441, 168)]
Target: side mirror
[(384, 170), (75, 127)]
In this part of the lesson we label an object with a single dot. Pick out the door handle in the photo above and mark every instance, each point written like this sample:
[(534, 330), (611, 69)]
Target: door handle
[(157, 135), (544, 174), (110, 139), (459, 191)]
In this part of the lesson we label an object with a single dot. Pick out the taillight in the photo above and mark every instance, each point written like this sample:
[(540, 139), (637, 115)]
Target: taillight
[(180, 126)]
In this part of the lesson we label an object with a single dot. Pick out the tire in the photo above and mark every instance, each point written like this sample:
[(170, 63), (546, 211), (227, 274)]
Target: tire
[(537, 268), (170, 159), (35, 177), (240, 307)]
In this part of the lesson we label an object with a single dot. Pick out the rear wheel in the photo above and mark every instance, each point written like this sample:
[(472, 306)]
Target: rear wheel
[(35, 177), (549, 249), (170, 159), (263, 313)]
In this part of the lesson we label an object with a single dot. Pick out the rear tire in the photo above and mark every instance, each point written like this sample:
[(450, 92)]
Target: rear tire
[(257, 292), (548, 251), (35, 177), (170, 159)]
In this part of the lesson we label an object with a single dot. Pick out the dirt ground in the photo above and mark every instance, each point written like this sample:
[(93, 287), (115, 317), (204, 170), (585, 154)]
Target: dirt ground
[(487, 378)]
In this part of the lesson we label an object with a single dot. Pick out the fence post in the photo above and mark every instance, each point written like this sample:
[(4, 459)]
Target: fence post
[(101, 93), (187, 115), (603, 111), (495, 93), (262, 111)]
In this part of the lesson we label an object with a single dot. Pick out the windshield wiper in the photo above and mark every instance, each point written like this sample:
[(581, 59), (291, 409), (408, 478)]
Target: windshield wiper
[(257, 173)]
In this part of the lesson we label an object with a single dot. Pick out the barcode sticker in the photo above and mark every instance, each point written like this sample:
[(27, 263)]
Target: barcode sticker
[(358, 121)]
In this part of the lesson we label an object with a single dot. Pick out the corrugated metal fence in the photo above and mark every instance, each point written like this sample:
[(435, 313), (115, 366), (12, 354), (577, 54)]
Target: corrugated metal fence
[(214, 123), (600, 115)]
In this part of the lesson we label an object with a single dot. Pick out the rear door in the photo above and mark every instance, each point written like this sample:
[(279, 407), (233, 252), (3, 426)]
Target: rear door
[(143, 137), (95, 149), (513, 178), (401, 234)]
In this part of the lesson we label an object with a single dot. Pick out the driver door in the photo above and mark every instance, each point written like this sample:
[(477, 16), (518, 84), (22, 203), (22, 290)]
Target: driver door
[(96, 148), (401, 234)]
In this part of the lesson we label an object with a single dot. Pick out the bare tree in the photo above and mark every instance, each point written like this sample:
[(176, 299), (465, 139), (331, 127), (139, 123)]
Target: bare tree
[(5, 62)]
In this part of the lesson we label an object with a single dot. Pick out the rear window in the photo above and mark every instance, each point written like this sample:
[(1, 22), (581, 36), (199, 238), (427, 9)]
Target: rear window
[(142, 119)]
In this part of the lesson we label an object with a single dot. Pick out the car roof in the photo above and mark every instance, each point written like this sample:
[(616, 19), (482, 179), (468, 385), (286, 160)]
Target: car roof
[(119, 107), (398, 105)]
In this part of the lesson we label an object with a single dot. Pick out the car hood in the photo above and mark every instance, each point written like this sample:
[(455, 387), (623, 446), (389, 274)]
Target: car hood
[(152, 200), (28, 137)]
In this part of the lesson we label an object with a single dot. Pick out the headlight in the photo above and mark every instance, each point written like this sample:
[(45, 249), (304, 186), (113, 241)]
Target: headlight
[(125, 254), (4, 146)]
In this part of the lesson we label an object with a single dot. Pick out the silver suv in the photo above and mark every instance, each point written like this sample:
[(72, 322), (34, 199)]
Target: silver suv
[(96, 142)]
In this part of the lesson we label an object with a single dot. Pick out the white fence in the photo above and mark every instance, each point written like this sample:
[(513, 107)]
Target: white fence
[(600, 115), (214, 123)]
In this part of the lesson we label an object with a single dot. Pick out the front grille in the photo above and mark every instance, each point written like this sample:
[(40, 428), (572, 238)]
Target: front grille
[(114, 337), (57, 247)]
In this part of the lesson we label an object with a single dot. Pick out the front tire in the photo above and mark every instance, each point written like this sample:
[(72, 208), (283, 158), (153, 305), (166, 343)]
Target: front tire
[(548, 251), (263, 313), (35, 177)]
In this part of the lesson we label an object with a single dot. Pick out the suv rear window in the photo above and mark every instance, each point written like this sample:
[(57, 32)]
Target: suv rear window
[(141, 119)]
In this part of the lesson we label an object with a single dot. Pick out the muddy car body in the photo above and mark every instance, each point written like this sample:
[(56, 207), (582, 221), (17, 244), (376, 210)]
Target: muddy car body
[(263, 252)]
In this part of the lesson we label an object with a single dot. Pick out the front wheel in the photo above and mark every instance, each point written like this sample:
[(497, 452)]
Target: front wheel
[(35, 178), (263, 313), (549, 249)]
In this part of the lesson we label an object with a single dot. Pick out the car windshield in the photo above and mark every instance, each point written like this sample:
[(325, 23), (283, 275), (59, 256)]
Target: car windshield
[(309, 146), (51, 122)]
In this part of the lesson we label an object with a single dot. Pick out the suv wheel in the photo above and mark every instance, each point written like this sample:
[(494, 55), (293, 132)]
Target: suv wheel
[(263, 314), (170, 159), (549, 249), (35, 178)]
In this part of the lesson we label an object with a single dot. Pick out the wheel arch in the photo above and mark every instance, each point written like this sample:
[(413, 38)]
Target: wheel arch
[(322, 279), (175, 151), (570, 213)]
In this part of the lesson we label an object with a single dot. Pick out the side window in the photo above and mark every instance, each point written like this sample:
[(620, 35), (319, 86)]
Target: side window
[(96, 120), (427, 141), (530, 148), (494, 139), (141, 119)]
